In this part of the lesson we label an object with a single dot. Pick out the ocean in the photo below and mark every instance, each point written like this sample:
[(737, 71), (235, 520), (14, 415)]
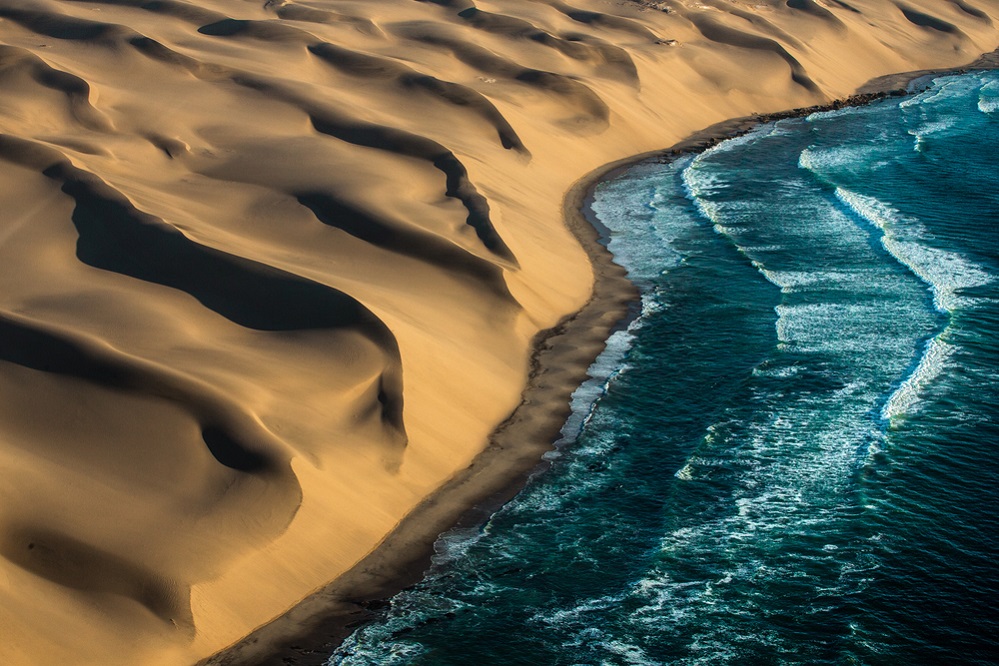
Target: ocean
[(792, 455)]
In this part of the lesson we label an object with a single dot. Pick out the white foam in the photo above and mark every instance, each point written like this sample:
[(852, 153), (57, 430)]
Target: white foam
[(943, 89), (926, 97), (931, 364), (855, 327), (990, 86), (635, 228), (700, 182), (685, 473), (842, 158), (644, 226), (631, 654), (602, 372), (950, 88), (831, 113), (869, 208), (927, 130), (728, 145), (780, 372), (794, 281), (375, 645), (578, 618), (946, 273), (455, 544), (988, 104)]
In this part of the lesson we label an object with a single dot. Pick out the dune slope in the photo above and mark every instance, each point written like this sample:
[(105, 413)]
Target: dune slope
[(270, 271)]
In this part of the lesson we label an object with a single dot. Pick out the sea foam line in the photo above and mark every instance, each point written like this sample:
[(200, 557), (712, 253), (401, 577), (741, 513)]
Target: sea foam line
[(931, 365), (612, 361), (602, 373), (988, 98), (943, 272)]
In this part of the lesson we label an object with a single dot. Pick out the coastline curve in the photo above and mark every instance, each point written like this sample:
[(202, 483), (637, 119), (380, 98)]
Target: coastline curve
[(309, 632)]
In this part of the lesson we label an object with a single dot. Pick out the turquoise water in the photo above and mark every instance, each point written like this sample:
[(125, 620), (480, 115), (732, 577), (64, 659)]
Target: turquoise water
[(792, 455)]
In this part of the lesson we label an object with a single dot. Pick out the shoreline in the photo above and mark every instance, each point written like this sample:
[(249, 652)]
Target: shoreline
[(308, 633)]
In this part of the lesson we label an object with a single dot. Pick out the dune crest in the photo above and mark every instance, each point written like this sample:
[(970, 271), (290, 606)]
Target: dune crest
[(270, 270)]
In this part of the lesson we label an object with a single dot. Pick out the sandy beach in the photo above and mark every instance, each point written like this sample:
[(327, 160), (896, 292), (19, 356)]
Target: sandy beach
[(275, 277)]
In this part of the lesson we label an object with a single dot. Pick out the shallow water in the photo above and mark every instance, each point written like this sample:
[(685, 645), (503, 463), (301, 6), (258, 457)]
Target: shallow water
[(790, 457)]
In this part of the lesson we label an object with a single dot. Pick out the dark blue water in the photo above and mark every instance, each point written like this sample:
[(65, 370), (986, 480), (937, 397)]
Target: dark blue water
[(793, 454)]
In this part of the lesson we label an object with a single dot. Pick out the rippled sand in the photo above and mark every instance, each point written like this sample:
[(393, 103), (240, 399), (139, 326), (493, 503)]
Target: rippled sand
[(270, 272)]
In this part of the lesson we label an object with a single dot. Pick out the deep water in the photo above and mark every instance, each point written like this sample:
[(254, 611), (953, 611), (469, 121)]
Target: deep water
[(792, 456)]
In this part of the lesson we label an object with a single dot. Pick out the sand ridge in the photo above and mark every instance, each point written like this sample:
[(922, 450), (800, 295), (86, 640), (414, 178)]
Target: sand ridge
[(271, 272)]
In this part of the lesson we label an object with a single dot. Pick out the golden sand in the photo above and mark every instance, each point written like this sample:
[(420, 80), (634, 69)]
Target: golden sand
[(272, 272)]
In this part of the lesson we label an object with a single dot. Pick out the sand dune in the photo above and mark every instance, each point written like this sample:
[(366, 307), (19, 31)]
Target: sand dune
[(270, 271)]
